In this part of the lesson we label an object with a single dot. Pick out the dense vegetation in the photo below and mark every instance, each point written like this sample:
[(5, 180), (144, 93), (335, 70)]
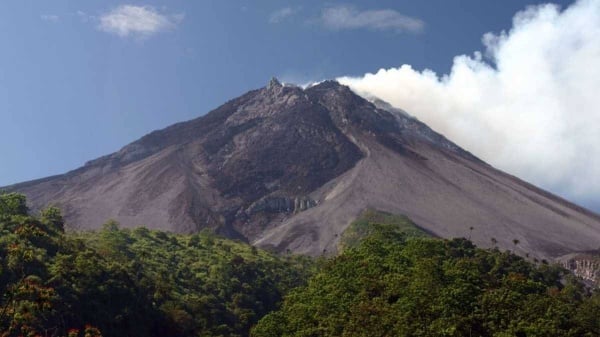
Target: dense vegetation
[(370, 222), (390, 280), (119, 282), (391, 285)]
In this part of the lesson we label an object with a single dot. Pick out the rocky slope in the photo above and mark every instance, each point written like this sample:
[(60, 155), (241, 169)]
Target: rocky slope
[(290, 168), (585, 265)]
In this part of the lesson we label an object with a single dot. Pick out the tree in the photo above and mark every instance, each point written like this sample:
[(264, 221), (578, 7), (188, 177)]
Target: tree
[(52, 216), (13, 204), (393, 286)]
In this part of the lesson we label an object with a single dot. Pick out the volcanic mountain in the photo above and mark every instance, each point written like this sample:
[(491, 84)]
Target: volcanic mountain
[(289, 168)]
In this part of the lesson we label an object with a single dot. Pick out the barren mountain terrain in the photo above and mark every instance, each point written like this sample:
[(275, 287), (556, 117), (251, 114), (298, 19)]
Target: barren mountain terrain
[(289, 168)]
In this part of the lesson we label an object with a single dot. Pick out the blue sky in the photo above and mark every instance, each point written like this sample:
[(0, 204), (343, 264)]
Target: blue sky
[(78, 80)]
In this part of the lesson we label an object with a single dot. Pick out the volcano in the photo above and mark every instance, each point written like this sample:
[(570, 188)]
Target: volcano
[(290, 168)]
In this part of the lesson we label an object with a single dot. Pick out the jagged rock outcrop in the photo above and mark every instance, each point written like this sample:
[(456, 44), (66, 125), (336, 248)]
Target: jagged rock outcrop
[(290, 168), (274, 83), (272, 204), (584, 265)]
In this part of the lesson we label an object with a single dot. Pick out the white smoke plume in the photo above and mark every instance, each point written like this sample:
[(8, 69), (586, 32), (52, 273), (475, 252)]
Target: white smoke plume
[(529, 104)]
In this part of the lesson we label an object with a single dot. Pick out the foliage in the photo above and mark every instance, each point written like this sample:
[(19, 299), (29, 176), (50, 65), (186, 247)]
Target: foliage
[(371, 222), (119, 282), (390, 280), (391, 285)]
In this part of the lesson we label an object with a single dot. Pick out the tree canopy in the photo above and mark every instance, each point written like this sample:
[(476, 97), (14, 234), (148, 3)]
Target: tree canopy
[(390, 280), (121, 282), (394, 285)]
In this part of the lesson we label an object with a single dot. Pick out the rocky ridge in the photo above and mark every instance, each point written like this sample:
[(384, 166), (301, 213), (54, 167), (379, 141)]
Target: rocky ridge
[(585, 265), (289, 168)]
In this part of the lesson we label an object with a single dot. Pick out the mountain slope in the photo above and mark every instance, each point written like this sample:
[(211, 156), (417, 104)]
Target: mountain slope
[(290, 168)]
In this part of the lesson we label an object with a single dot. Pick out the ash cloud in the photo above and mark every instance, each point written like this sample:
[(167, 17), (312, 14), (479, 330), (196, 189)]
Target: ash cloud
[(529, 103)]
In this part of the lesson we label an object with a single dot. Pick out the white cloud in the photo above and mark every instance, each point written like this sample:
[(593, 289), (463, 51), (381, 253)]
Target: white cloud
[(282, 14), (532, 108), (140, 21), (84, 17), (50, 18), (348, 17)]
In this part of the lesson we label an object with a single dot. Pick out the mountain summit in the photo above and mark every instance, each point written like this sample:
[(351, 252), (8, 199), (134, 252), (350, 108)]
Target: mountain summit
[(290, 168)]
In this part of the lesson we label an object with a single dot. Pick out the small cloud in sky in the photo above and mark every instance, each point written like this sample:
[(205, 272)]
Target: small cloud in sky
[(343, 17), (83, 16), (282, 14), (50, 18), (139, 21)]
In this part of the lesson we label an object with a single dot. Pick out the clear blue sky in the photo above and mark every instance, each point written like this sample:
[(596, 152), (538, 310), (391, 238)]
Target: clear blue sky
[(76, 84)]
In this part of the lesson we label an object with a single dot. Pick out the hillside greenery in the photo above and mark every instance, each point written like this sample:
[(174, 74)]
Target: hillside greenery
[(120, 282), (394, 285), (371, 221), (390, 279)]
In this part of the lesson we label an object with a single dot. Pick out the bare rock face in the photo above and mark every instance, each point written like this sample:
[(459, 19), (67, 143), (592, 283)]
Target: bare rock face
[(290, 168), (273, 204), (585, 265)]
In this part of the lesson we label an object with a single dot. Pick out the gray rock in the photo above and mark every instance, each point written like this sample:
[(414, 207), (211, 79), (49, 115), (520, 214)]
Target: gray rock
[(290, 168)]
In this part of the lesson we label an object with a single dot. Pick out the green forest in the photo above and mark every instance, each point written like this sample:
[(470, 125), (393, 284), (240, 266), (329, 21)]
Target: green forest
[(389, 279)]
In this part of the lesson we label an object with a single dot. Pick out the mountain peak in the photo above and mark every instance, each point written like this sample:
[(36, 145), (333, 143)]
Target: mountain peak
[(274, 83), (290, 168)]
